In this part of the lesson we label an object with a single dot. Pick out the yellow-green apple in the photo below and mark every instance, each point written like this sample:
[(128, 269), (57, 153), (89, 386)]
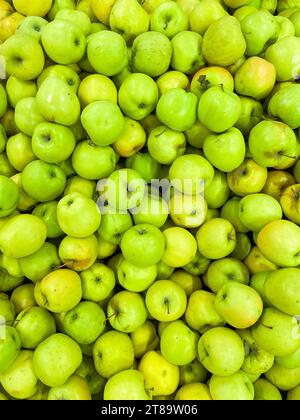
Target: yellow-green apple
[(131, 140), (9, 196), (27, 115), (187, 52), (166, 301), (33, 26), (171, 80), (16, 90), (265, 391), (277, 182), (252, 114), (193, 391), (204, 14), (191, 373), (189, 282), (257, 262), (209, 77), (59, 291), (34, 8), (77, 17), (211, 351), (152, 210), (151, 53), (102, 9), (145, 165), (257, 283), (284, 253), (53, 370), (196, 135), (114, 225), (230, 211), (97, 282), (144, 339), (126, 385), (88, 372), (7, 309), (283, 378), (218, 48), (235, 387), (126, 311), (291, 361), (169, 19), (284, 105), (243, 247), (19, 151), (164, 271), (96, 87), (249, 178), (188, 211), (180, 248), (113, 352), (284, 51), (166, 145), (75, 389), (48, 213), (9, 282), (23, 297), (78, 254), (9, 25), (293, 394), (64, 73), (79, 184), (289, 201), (10, 345), (226, 270), (135, 278)]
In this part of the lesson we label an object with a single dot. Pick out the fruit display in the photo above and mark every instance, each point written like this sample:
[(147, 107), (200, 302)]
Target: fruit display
[(149, 200)]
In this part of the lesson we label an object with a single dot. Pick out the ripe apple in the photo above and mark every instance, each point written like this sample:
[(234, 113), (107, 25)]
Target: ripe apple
[(59, 291), (48, 213), (226, 270), (153, 210), (282, 378), (283, 51), (9, 194), (293, 394), (252, 114), (7, 309), (97, 282), (277, 182), (193, 391), (243, 247), (139, 238), (128, 18), (69, 210), (52, 370), (188, 211), (34, 8), (131, 140), (9, 25), (180, 247), (135, 278), (178, 343), (189, 282), (204, 14), (64, 73), (187, 52), (77, 17), (144, 339), (212, 356), (33, 26), (164, 271), (151, 53), (249, 178), (58, 102), (78, 254), (198, 265), (10, 345), (235, 387), (218, 48), (166, 145), (126, 385), (257, 262), (290, 202), (191, 373), (114, 225), (291, 361), (96, 87), (216, 238), (75, 388), (265, 391), (22, 297), (27, 115), (79, 184), (161, 377), (284, 105), (19, 151), (169, 19), (166, 301), (211, 76), (171, 80)]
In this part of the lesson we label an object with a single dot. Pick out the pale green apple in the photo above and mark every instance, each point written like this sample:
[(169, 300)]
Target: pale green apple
[(169, 19), (166, 145), (33, 26), (193, 391), (48, 213), (265, 391), (180, 247), (79, 184), (7, 309), (23, 297), (293, 394), (17, 89), (248, 178), (64, 73), (10, 345), (191, 373), (252, 114), (75, 389), (145, 165), (144, 339), (284, 105), (230, 212), (284, 379), (97, 282), (281, 55), (226, 270), (257, 283), (19, 151), (189, 282), (9, 196), (198, 265), (79, 18), (152, 210), (291, 361), (126, 385), (135, 278), (187, 52), (78, 254), (58, 5), (204, 14), (190, 211), (235, 387), (27, 115), (114, 225)]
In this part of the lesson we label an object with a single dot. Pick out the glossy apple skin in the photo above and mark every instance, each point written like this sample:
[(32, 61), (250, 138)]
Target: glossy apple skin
[(284, 104), (127, 385), (211, 76), (191, 42), (179, 21), (284, 51)]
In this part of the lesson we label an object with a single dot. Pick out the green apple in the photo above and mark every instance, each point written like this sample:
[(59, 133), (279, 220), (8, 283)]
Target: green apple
[(257, 283), (151, 53), (257, 210), (178, 343), (295, 19), (145, 165), (17, 89), (141, 237), (3, 138), (216, 238), (77, 17), (273, 144), (193, 391), (248, 178), (19, 151), (166, 301), (10, 345), (34, 325), (58, 5), (126, 385), (9, 282), (240, 305), (114, 225), (128, 18), (135, 278), (59, 291), (103, 122), (12, 265), (35, 7), (293, 394), (188, 211), (218, 48), (20, 380), (53, 370), (48, 213), (291, 361), (27, 115), (96, 87), (219, 109), (144, 339), (211, 351), (107, 52), (276, 333), (177, 109), (196, 135), (200, 313), (187, 52), (9, 194), (226, 270), (7, 309), (161, 377), (22, 297), (113, 352), (277, 183), (75, 389), (152, 210), (97, 282), (191, 373), (164, 271), (39, 264), (78, 184), (180, 247), (69, 210), (78, 254), (33, 26), (235, 387), (24, 56), (226, 151), (283, 378), (169, 19), (204, 14), (265, 391), (283, 51), (189, 282), (126, 311), (252, 114), (88, 372), (201, 174), (131, 140), (22, 235), (38, 173), (138, 96), (285, 255), (284, 105), (243, 247), (198, 265), (3, 101), (257, 262), (211, 76), (64, 73), (230, 211), (6, 168), (166, 145)]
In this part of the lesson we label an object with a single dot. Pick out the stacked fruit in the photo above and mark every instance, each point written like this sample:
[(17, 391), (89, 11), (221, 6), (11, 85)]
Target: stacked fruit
[(149, 205)]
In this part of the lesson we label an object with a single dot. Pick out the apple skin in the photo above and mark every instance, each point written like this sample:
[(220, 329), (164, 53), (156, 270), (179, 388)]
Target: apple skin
[(214, 101), (193, 391), (211, 357), (216, 238), (113, 352), (33, 26), (290, 203), (126, 385), (277, 182), (53, 371), (166, 301), (151, 53), (281, 52), (138, 96), (257, 262), (68, 210), (9, 194), (27, 115), (77, 17), (131, 140), (204, 14), (189, 62), (161, 376), (17, 230), (9, 25), (58, 102), (10, 347), (48, 213), (180, 247), (152, 210), (172, 79), (226, 270), (252, 114), (96, 87), (235, 387), (59, 291), (284, 379), (189, 211), (291, 361), (287, 254), (276, 333), (97, 282), (64, 73), (135, 278), (211, 76), (114, 225), (265, 391), (30, 55), (166, 145), (75, 389), (19, 151), (239, 305), (22, 297), (79, 184), (35, 8), (187, 281), (284, 105), (34, 325), (160, 19), (3, 101), (7, 309), (248, 178), (78, 254), (217, 46)]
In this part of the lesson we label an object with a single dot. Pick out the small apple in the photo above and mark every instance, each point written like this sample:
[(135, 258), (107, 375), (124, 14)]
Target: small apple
[(180, 247), (198, 265), (17, 89), (126, 385), (226, 270), (152, 210), (204, 14), (169, 19), (248, 178), (277, 182), (22, 297), (78, 254), (189, 282), (191, 373), (97, 282), (283, 51), (211, 76), (252, 114), (96, 87), (19, 151), (145, 165), (171, 80), (79, 184), (166, 145), (188, 211), (243, 247), (282, 378), (187, 52), (131, 140), (9, 25), (257, 262), (9, 194), (284, 105), (114, 225), (135, 278), (35, 7), (64, 73)]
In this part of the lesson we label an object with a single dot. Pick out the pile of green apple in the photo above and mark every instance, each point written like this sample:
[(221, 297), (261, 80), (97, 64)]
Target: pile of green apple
[(107, 289)]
